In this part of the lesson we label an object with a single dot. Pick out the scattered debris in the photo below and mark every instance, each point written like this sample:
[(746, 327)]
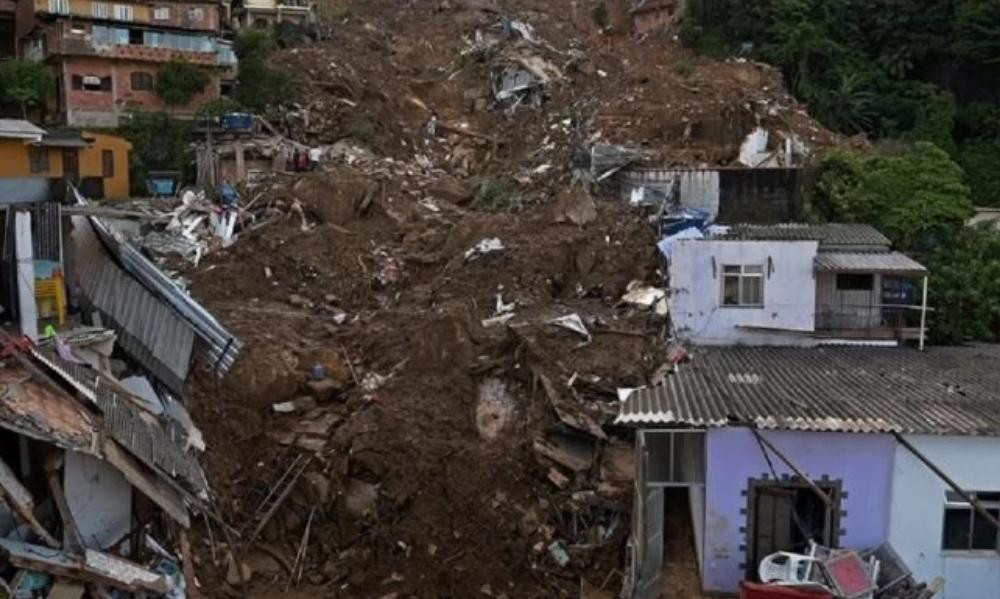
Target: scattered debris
[(483, 248), (572, 322)]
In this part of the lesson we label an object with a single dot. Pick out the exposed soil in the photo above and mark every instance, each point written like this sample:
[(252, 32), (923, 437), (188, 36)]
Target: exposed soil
[(423, 479)]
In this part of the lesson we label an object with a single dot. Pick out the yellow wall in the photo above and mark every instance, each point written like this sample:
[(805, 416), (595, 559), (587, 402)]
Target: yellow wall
[(14, 161), (91, 164)]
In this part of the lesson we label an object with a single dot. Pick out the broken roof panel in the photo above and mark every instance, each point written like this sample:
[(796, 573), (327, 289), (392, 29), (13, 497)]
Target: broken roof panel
[(158, 443), (31, 408), (828, 235), (869, 262), (148, 330), (843, 389)]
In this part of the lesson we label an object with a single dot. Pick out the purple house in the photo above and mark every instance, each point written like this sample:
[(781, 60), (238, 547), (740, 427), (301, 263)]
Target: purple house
[(753, 450)]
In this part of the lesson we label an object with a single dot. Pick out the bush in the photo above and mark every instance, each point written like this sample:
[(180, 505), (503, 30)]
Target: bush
[(159, 143), (177, 82), (981, 162), (497, 195)]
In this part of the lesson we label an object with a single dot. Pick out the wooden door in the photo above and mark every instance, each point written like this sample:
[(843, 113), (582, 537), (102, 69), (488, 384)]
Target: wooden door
[(71, 165)]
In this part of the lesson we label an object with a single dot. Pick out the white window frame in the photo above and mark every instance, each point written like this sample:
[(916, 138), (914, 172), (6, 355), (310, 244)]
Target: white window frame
[(124, 12), (161, 13), (744, 272), (59, 7), (954, 502), (100, 10)]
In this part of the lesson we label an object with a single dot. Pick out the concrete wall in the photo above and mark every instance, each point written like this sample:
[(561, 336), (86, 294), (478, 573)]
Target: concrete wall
[(116, 187), (864, 464), (15, 161), (917, 519), (789, 291), (100, 499)]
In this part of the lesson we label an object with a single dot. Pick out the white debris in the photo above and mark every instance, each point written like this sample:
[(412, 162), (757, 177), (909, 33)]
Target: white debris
[(486, 246), (572, 322)]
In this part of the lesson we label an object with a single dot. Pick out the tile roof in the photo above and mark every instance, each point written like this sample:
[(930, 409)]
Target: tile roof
[(830, 234), (867, 262), (846, 389)]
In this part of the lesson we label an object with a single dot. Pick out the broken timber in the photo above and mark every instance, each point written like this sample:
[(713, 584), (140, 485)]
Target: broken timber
[(21, 502)]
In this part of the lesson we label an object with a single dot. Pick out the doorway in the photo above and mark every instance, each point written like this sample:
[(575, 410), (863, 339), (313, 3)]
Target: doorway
[(786, 516), (681, 574), (71, 165)]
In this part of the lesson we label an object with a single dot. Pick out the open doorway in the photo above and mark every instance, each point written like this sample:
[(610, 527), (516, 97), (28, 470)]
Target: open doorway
[(786, 515), (681, 574)]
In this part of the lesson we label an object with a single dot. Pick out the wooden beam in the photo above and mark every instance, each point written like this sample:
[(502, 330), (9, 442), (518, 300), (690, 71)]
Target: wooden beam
[(149, 485), (815, 489), (71, 531), (22, 503)]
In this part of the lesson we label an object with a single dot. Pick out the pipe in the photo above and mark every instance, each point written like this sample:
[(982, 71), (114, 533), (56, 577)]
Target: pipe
[(923, 316)]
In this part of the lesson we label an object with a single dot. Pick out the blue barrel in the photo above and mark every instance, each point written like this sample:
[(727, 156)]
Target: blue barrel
[(237, 121)]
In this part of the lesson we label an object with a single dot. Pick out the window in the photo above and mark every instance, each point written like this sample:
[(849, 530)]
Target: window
[(100, 10), (123, 12), (196, 14), (964, 528), (743, 285), (142, 81), (39, 159), (161, 13), (851, 282), (135, 37), (107, 163), (59, 6)]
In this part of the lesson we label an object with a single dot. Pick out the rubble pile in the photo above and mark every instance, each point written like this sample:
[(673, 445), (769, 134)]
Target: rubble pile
[(438, 318)]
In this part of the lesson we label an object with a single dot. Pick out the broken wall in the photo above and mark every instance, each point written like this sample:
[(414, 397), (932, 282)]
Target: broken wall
[(730, 195), (99, 498)]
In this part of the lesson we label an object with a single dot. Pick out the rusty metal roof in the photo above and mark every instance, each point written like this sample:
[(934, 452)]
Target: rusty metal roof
[(952, 391), (869, 262), (829, 234)]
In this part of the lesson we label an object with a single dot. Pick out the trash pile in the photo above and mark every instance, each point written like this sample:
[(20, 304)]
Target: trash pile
[(829, 573)]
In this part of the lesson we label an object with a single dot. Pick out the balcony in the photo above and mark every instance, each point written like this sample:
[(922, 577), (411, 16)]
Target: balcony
[(869, 322)]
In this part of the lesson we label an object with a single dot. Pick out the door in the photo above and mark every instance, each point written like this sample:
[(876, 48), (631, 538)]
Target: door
[(651, 562), (71, 165)]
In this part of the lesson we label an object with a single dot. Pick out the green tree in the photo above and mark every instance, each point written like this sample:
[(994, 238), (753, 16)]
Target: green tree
[(258, 85), (977, 30), (25, 83), (916, 198), (178, 82), (159, 143), (965, 286)]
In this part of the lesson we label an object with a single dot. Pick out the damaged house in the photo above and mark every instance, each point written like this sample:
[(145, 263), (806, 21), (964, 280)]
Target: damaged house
[(769, 448)]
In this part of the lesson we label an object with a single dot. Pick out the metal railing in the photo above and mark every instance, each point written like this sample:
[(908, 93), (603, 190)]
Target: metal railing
[(883, 320)]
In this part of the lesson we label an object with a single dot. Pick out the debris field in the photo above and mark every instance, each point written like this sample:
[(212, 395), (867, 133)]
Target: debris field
[(433, 320)]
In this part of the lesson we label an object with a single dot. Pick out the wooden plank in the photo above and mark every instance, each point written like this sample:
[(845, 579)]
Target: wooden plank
[(160, 493), (21, 502), (94, 567)]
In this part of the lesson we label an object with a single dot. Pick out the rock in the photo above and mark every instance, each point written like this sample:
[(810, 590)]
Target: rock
[(575, 206), (317, 488), (258, 561), (324, 390), (233, 572), (298, 301), (360, 497)]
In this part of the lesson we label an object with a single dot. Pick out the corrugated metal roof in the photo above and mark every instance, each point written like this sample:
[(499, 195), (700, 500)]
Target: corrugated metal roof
[(829, 234), (19, 129), (845, 389), (158, 443), (867, 262), (148, 329)]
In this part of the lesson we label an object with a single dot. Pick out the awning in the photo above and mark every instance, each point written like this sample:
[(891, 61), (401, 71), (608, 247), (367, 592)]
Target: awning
[(869, 262)]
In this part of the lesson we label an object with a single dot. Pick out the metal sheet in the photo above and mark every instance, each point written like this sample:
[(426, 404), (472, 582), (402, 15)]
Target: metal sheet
[(844, 389), (869, 262), (829, 235)]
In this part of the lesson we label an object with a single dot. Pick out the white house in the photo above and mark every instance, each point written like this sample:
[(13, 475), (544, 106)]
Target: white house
[(795, 284)]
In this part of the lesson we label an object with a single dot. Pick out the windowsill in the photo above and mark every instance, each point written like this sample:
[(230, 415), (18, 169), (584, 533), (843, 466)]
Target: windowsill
[(744, 307), (967, 553)]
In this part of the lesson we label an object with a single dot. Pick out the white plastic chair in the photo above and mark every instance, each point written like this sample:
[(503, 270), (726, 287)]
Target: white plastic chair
[(788, 569)]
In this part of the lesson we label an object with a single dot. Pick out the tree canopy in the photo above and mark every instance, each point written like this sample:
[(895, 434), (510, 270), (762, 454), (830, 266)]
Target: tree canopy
[(179, 82), (24, 83)]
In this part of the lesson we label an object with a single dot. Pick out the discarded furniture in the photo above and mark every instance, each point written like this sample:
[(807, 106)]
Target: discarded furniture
[(752, 590), (793, 569)]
